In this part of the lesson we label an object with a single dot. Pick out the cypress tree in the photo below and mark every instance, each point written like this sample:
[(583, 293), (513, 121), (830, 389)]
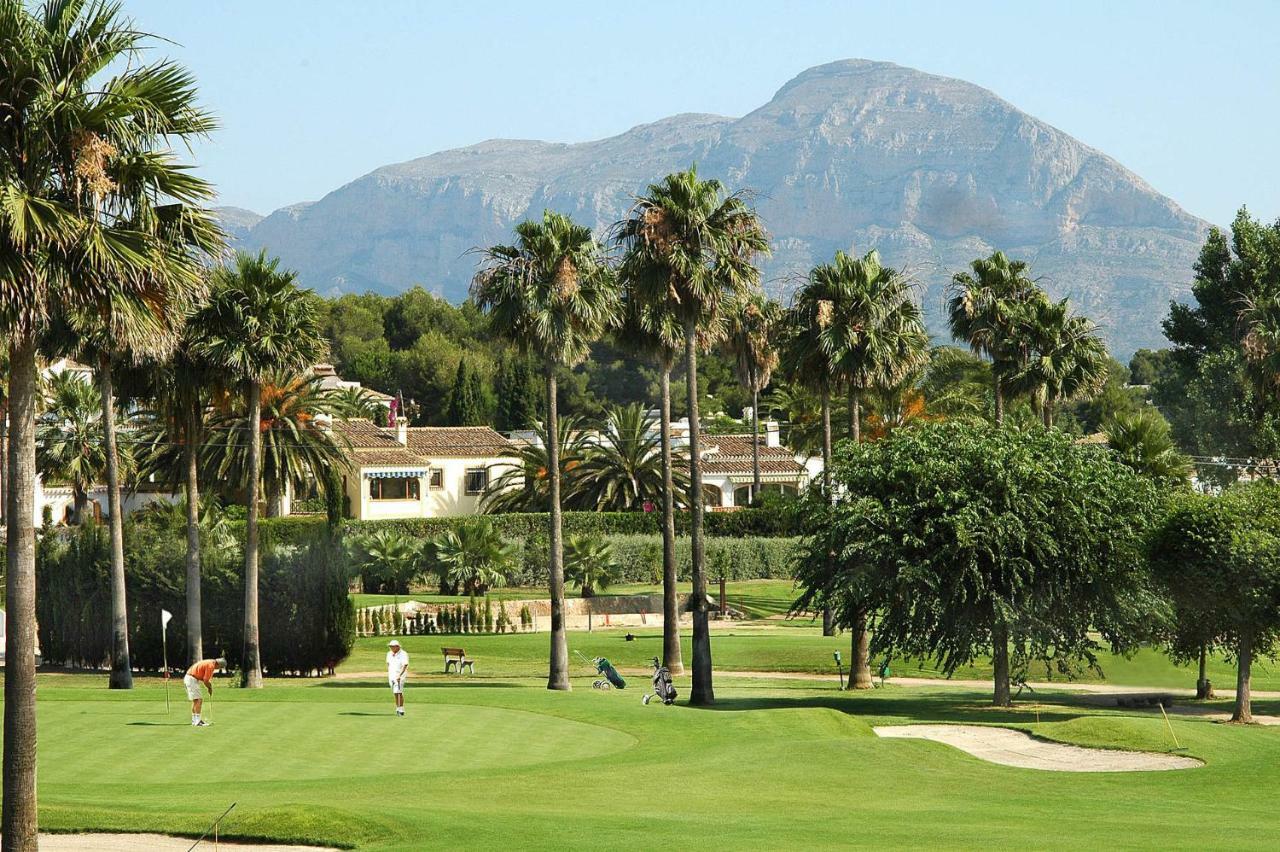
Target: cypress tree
[(501, 391), (475, 392)]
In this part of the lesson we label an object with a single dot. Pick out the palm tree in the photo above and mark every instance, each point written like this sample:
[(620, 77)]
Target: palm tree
[(473, 557), (257, 323), (877, 337), (987, 310), (800, 407), (553, 295), (622, 469), (70, 447), (653, 331), (354, 402), (525, 486), (388, 560), (691, 247), (297, 446), (181, 390), (83, 105), (1066, 358), (589, 563), (1143, 442), (753, 327)]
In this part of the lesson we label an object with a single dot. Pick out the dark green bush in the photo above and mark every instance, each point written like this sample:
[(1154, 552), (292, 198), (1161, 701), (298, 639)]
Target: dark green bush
[(306, 619)]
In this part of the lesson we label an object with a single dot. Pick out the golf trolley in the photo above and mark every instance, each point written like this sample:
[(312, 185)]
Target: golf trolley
[(609, 677), (662, 686)]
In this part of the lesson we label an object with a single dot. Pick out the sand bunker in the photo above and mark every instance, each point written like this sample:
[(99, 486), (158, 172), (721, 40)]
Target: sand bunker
[(1017, 748), (151, 843)]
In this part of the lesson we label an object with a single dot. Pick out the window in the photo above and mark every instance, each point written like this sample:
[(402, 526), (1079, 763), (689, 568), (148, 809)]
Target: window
[(394, 488), (477, 480), (435, 479)]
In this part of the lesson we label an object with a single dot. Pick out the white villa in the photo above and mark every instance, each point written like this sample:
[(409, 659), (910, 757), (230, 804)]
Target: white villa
[(421, 471)]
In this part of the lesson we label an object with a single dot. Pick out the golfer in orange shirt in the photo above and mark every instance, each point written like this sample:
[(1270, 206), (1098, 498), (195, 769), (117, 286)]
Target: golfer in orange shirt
[(200, 673)]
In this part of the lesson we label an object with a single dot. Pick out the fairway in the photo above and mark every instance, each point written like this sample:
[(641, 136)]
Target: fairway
[(496, 761)]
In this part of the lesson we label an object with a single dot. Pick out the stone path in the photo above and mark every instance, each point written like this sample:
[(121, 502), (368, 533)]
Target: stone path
[(1018, 748)]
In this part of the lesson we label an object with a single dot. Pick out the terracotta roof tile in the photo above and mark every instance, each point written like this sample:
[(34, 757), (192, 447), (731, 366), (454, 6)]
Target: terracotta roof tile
[(459, 441), (365, 434), (397, 457), (734, 466)]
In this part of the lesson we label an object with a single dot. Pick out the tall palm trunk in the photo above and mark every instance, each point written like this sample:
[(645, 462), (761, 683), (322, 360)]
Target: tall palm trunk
[(1243, 711), (195, 638), (1046, 411), (251, 674), (998, 389), (828, 617), (558, 675), (703, 692), (671, 655), (755, 442), (4, 463), (859, 636), (18, 822), (121, 667)]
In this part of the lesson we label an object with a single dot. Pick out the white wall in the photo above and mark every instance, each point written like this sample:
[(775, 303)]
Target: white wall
[(450, 500)]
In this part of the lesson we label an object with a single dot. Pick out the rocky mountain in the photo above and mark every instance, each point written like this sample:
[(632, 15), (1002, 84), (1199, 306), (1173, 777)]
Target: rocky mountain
[(853, 155)]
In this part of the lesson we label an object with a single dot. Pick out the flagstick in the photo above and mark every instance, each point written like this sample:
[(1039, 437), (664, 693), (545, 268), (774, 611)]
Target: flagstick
[(164, 645)]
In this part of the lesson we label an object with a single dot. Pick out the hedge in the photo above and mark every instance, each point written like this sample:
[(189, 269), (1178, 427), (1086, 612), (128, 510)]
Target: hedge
[(304, 529), (306, 619)]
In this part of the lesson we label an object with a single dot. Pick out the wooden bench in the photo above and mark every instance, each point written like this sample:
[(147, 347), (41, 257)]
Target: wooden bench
[(456, 659)]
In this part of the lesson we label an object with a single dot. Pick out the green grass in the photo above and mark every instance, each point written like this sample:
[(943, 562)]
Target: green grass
[(495, 760), (501, 762)]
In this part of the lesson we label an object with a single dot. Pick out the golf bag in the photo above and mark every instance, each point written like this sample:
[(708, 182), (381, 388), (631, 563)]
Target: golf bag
[(662, 686), (610, 679)]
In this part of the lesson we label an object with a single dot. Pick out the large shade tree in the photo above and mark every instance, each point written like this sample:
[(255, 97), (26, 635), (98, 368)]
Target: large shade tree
[(552, 294), (1219, 558), (989, 309), (82, 102), (692, 246), (957, 568), (256, 324)]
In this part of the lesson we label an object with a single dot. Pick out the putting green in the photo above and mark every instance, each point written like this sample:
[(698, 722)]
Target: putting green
[(245, 741)]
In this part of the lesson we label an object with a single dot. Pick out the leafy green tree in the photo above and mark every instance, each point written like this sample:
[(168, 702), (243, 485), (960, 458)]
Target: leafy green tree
[(464, 404), (257, 323), (83, 108), (1147, 365), (754, 326), (621, 471), (988, 309), (70, 447), (931, 539), (589, 563), (1142, 442), (1219, 559), (691, 246), (1209, 400), (552, 294), (473, 557)]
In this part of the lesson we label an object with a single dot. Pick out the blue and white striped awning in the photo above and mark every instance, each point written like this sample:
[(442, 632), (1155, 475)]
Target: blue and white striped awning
[(394, 474)]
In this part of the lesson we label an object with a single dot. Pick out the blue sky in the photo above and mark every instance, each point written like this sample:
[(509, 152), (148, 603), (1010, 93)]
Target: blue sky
[(314, 94)]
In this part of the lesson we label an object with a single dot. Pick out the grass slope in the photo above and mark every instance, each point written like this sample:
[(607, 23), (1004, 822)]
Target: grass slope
[(500, 762)]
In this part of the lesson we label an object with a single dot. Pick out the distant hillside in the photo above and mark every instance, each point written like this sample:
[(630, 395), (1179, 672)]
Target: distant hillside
[(852, 155)]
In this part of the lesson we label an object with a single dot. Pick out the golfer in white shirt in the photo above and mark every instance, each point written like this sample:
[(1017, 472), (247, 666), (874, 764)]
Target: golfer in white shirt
[(397, 668)]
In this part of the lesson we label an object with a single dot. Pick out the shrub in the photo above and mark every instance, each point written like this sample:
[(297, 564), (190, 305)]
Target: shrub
[(307, 621)]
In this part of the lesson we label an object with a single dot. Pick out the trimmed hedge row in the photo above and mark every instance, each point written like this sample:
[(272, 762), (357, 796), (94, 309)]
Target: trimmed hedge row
[(754, 558), (764, 523), (306, 618)]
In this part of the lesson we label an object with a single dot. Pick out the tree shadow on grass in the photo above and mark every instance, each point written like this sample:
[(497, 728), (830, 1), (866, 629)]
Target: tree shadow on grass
[(932, 708), (160, 724)]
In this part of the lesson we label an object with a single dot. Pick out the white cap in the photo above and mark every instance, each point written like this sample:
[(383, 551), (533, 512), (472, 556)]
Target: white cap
[(394, 643)]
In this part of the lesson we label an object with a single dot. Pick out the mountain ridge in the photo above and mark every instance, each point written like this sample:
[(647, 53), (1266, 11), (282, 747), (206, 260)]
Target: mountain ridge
[(851, 155)]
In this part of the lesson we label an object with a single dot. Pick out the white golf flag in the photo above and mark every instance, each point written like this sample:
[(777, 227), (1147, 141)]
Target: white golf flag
[(165, 616)]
